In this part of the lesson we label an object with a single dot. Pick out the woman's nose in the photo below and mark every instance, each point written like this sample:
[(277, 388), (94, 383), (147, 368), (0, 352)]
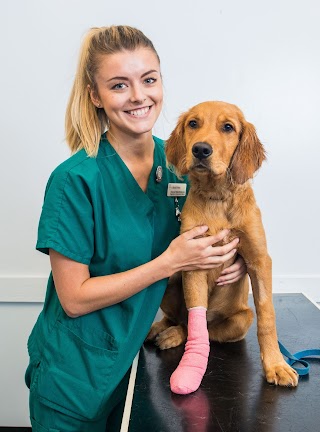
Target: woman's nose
[(137, 95)]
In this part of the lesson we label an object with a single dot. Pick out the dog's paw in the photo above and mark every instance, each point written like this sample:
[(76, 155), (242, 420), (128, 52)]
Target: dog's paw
[(171, 337), (282, 374), (155, 330)]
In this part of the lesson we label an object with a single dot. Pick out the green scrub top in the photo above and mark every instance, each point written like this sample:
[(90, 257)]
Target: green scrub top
[(94, 212)]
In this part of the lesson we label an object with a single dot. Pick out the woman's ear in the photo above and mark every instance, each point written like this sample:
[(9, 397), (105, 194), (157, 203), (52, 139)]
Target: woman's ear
[(176, 147), (248, 155), (94, 97)]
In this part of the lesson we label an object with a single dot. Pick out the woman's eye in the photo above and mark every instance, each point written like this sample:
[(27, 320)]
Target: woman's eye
[(150, 80), (227, 127), (119, 86), (193, 124)]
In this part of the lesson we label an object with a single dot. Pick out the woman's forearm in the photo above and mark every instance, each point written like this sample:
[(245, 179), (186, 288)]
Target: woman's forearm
[(81, 294)]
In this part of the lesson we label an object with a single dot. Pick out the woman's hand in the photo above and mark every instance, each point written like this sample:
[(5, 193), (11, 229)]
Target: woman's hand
[(233, 273), (191, 251)]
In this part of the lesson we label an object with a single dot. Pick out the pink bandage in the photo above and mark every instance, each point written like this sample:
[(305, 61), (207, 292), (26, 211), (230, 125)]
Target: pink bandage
[(189, 373)]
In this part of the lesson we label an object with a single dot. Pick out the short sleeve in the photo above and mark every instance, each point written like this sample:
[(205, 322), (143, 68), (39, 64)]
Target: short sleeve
[(66, 222)]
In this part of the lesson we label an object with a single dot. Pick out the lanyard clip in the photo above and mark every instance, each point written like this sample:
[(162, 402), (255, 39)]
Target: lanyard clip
[(177, 209)]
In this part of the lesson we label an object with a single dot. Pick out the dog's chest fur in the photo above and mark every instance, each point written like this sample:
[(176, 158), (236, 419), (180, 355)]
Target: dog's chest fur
[(229, 212)]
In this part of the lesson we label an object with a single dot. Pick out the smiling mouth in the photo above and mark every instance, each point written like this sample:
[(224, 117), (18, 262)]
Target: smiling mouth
[(140, 112)]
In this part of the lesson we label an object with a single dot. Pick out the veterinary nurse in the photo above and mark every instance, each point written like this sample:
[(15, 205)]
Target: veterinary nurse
[(112, 234)]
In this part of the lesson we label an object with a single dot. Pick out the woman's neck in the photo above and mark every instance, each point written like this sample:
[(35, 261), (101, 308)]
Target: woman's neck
[(132, 147), (137, 153)]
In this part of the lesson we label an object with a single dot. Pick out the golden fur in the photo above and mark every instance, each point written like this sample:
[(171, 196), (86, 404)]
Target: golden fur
[(221, 197)]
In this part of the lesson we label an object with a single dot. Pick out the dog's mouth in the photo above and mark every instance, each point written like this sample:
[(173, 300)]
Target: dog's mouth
[(200, 166)]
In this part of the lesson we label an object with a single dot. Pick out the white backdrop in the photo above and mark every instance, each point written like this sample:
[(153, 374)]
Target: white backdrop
[(262, 56)]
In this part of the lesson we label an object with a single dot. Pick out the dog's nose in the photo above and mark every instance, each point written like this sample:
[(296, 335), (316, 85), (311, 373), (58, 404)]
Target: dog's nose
[(201, 150)]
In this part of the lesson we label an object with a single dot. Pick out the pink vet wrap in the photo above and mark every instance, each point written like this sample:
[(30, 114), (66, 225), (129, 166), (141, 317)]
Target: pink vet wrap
[(189, 373)]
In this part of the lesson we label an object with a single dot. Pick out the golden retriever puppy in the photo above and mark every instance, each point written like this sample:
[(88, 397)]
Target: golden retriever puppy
[(220, 152)]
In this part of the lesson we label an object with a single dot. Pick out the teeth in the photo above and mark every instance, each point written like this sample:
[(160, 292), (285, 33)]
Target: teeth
[(139, 112)]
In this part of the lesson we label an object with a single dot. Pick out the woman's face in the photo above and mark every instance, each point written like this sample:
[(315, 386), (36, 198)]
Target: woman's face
[(129, 88)]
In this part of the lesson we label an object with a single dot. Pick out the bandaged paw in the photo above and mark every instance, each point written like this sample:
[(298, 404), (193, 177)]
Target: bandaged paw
[(189, 373)]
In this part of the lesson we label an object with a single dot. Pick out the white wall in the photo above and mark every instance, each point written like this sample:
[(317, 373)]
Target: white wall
[(16, 321), (263, 56)]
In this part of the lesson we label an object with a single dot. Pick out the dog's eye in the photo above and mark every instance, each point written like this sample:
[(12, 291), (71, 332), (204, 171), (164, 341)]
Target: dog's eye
[(193, 124), (227, 127)]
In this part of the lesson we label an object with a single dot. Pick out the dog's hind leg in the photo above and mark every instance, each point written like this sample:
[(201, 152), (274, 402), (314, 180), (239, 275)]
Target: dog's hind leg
[(167, 334), (158, 327), (171, 337), (231, 329)]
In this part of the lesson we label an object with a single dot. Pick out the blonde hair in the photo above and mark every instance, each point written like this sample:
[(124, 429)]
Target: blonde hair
[(84, 123)]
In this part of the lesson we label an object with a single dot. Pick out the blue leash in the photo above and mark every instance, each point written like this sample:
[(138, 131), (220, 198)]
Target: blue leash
[(299, 357)]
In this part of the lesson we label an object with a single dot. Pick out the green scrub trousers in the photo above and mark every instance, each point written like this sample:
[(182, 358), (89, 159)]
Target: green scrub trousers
[(95, 213)]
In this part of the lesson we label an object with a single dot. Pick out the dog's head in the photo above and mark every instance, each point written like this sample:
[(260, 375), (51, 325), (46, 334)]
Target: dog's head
[(214, 137)]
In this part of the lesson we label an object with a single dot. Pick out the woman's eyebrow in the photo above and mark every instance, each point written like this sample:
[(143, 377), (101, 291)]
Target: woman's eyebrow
[(127, 79), (149, 72), (118, 78)]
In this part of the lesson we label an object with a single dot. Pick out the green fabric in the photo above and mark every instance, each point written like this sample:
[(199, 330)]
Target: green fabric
[(95, 213), (45, 419)]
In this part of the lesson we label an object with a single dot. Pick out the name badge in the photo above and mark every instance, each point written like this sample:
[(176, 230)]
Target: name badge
[(177, 189)]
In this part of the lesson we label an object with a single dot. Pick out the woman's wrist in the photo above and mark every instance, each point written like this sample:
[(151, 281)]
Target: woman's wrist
[(167, 263)]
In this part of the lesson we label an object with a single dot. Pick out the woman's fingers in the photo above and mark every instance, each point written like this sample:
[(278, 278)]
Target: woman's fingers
[(221, 259), (217, 237), (238, 265), (231, 276), (195, 232), (228, 282), (233, 273), (199, 231), (221, 250), (199, 250), (211, 261)]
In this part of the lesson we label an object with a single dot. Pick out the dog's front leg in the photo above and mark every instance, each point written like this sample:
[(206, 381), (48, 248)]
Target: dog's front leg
[(189, 373), (277, 371), (195, 288)]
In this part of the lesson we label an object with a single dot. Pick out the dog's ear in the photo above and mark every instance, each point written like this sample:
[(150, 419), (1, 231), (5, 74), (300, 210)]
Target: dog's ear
[(176, 147), (248, 155)]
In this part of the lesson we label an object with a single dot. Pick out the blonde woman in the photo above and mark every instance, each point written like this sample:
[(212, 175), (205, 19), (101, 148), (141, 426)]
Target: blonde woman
[(112, 235)]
